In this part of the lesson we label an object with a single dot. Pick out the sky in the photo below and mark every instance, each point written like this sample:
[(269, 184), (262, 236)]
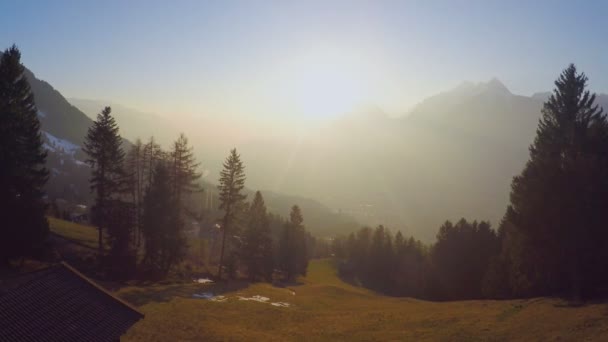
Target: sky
[(273, 60)]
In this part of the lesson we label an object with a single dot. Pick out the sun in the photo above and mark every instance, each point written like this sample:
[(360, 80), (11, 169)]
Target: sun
[(325, 85)]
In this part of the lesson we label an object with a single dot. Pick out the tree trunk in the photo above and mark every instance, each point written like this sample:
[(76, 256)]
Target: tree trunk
[(100, 240), (224, 229)]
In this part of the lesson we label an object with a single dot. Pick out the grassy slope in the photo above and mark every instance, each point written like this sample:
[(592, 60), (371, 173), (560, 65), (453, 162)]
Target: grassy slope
[(325, 308), (74, 232)]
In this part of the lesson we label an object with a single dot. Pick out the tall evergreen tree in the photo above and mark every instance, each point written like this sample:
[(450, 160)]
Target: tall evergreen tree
[(22, 159), (151, 154), (183, 169), (106, 157), (164, 240), (461, 257), (556, 227), (122, 258), (232, 182), (293, 257), (381, 260), (135, 173), (256, 251)]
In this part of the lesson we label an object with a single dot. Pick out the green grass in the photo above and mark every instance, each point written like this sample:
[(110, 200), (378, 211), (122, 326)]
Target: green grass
[(326, 309), (75, 232)]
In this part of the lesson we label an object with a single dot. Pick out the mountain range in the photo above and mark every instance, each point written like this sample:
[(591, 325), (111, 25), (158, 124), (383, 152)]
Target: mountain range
[(64, 127), (453, 155)]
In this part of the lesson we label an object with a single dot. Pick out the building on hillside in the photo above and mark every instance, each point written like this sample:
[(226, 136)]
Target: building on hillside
[(59, 303)]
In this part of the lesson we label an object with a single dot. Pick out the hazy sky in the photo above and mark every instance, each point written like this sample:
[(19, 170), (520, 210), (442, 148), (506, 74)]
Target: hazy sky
[(267, 59)]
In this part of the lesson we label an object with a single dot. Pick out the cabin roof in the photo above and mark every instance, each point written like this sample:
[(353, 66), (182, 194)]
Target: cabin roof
[(61, 304)]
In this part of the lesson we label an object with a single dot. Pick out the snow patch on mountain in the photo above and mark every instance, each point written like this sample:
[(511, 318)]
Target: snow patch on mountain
[(41, 114), (55, 144)]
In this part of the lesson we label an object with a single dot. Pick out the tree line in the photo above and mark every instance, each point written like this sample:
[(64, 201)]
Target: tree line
[(142, 198), (142, 203), (552, 240), (452, 268)]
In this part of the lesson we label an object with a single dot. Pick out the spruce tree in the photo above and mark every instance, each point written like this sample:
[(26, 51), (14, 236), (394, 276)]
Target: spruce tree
[(293, 255), (164, 241), (152, 153), (135, 172), (183, 169), (22, 158), (555, 227), (232, 183), (103, 146), (256, 251)]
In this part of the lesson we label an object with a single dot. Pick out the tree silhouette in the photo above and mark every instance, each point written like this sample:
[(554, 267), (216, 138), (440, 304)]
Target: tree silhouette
[(293, 255), (256, 251), (555, 226), (103, 147), (162, 227), (22, 172), (232, 183)]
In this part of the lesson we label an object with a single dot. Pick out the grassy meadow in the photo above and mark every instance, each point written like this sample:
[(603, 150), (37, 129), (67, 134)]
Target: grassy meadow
[(324, 308), (79, 234)]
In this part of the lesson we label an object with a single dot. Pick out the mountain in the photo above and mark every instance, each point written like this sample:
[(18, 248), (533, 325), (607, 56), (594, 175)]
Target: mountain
[(133, 123), (57, 116), (64, 128), (452, 155)]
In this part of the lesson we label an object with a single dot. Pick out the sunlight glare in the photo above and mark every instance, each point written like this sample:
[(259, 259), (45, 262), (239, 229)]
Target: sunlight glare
[(325, 85)]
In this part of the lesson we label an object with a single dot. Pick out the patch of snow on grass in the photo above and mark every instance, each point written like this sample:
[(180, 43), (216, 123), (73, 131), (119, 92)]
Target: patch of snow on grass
[(281, 304), (218, 299), (256, 298), (204, 295), (209, 296), (203, 280)]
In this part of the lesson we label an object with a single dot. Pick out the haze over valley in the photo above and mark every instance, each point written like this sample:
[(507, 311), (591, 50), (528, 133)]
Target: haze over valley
[(410, 170), (342, 170)]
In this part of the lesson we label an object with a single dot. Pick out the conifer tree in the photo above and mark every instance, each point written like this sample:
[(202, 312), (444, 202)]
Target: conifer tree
[(232, 183), (22, 162), (122, 258), (555, 226), (183, 169), (293, 256), (103, 146), (135, 173), (164, 242), (256, 251), (151, 154)]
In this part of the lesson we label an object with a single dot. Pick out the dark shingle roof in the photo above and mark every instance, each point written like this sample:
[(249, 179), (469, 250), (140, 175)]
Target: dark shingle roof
[(61, 304)]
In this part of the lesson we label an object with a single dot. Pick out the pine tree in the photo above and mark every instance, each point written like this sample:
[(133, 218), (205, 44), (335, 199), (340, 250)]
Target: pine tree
[(122, 258), (293, 252), (557, 207), (232, 183), (183, 169), (135, 173), (256, 251), (103, 146), (22, 159), (152, 153), (164, 242)]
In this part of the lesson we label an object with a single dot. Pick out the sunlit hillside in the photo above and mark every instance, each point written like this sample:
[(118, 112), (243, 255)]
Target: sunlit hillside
[(324, 308)]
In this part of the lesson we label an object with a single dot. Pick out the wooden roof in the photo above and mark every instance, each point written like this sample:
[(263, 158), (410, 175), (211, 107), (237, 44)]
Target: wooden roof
[(61, 304)]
